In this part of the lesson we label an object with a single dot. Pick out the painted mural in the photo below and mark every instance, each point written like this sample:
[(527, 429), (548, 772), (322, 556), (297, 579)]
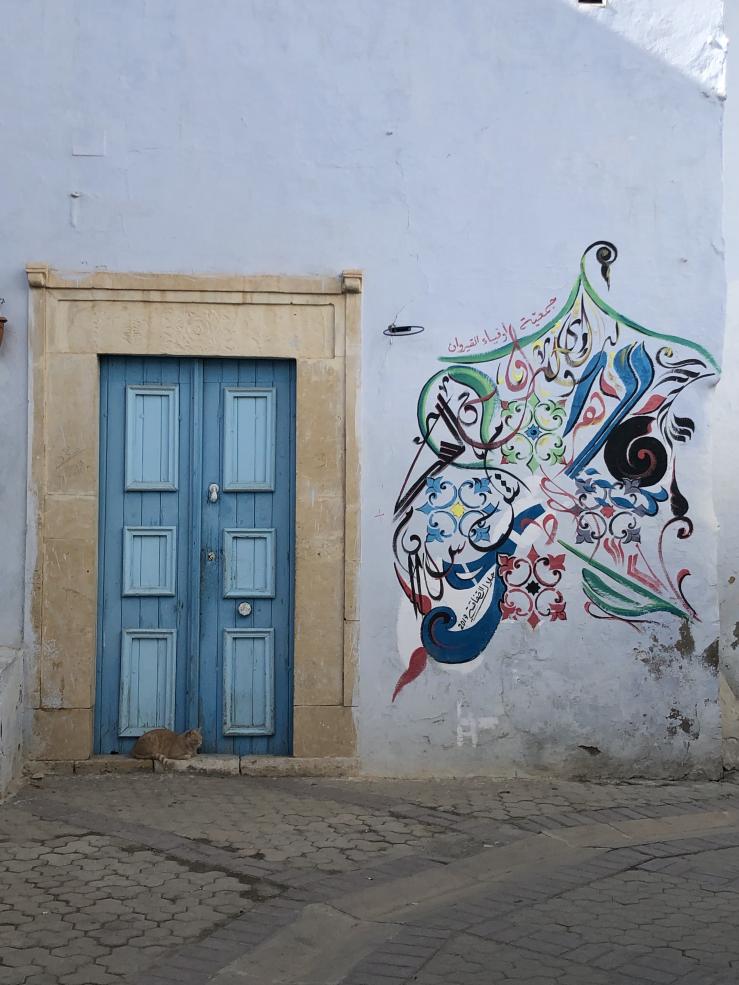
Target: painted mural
[(548, 448)]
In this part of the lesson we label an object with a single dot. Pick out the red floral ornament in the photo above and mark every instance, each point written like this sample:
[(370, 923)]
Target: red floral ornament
[(506, 564), (557, 611)]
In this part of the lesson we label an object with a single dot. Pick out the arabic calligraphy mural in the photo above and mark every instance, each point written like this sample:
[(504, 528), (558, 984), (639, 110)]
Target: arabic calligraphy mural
[(554, 451)]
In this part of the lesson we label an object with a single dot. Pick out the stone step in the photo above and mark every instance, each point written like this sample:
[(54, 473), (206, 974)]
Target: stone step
[(209, 764)]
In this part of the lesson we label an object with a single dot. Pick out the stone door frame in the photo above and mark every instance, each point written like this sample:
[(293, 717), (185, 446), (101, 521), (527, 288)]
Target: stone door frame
[(75, 319)]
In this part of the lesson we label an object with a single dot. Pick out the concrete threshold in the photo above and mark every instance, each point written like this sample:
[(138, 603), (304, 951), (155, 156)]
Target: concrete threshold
[(207, 764)]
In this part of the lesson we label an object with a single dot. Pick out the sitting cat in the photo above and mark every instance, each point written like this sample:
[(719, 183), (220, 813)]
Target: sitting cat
[(162, 744)]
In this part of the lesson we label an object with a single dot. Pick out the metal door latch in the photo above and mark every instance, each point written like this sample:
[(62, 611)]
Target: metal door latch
[(211, 555), (213, 491)]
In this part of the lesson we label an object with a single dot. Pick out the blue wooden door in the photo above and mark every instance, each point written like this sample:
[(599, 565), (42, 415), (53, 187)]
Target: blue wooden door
[(196, 552)]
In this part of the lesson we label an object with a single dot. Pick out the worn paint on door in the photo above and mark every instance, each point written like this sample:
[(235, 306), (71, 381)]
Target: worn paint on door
[(196, 552)]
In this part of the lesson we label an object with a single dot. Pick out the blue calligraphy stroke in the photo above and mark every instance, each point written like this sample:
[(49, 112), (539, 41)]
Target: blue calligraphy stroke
[(449, 646), (474, 571), (635, 370)]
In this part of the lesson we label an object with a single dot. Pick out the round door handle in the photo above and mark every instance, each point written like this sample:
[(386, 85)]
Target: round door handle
[(245, 609)]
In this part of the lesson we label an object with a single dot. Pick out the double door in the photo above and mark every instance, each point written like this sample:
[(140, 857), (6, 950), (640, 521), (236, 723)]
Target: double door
[(196, 552)]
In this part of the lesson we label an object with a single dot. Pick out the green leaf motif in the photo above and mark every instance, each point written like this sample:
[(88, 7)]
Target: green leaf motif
[(639, 602), (614, 603)]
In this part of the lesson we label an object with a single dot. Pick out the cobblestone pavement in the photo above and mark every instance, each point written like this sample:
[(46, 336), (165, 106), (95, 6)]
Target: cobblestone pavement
[(152, 879)]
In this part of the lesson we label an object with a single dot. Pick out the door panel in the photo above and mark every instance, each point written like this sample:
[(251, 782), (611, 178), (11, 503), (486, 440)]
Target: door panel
[(248, 439), (146, 411), (248, 682), (246, 535), (174, 648), (149, 560), (248, 564), (148, 664), (152, 422)]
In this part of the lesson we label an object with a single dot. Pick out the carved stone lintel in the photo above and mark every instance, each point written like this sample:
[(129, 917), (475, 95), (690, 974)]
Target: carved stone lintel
[(351, 282), (38, 274)]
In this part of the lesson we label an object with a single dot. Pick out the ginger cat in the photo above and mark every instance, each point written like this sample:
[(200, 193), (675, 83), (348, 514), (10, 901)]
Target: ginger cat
[(162, 744)]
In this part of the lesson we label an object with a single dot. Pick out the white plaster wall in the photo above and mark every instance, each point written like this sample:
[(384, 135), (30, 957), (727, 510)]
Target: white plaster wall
[(727, 413), (462, 155), (11, 714)]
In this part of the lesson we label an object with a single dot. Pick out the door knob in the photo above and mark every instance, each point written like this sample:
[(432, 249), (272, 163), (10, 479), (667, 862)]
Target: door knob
[(213, 491), (245, 609)]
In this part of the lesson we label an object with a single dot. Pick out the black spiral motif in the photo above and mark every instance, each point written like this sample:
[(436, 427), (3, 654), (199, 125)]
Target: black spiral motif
[(606, 254), (632, 453)]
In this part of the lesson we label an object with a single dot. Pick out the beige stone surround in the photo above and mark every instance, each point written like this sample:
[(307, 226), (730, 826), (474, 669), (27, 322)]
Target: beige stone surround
[(75, 319)]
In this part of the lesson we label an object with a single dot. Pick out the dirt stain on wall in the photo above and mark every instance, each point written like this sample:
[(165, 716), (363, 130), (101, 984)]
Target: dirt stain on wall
[(710, 656), (683, 723), (685, 644), (659, 657)]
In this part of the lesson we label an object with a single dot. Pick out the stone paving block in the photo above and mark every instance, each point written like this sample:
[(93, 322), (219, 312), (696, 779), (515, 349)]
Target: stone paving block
[(89, 975), (495, 930), (216, 952), (384, 965), (643, 973), (539, 945), (243, 938), (620, 954), (169, 976), (14, 975), (413, 954), (707, 978), (373, 978)]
